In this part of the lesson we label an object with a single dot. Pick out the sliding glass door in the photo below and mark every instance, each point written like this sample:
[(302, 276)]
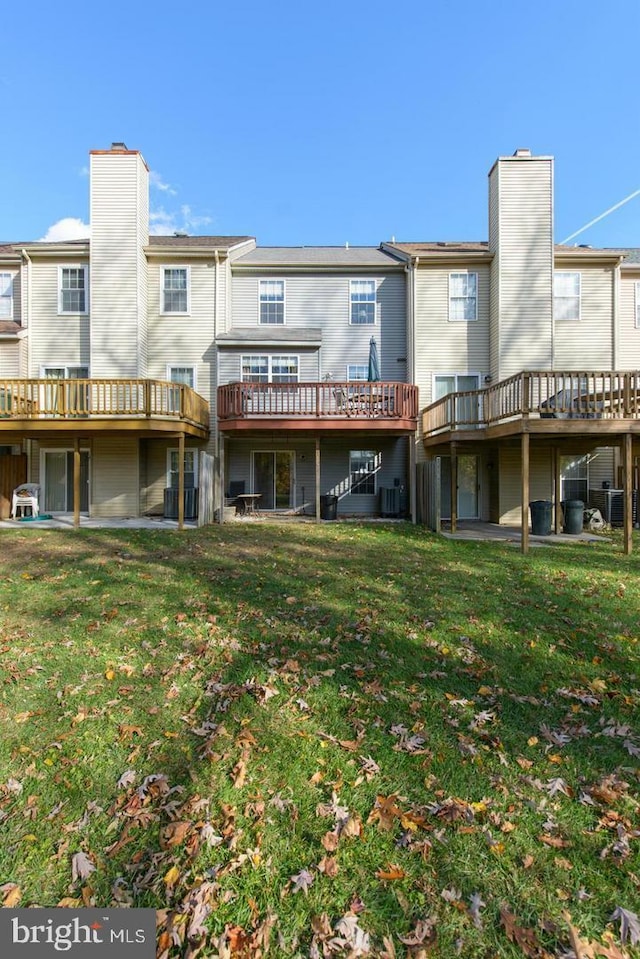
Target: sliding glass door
[(58, 481), (273, 477)]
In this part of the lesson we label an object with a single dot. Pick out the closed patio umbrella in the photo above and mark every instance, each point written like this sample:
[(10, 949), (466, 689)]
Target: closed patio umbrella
[(374, 362)]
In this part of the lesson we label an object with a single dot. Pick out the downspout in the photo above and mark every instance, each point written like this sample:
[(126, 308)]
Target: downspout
[(411, 270), (615, 332), (218, 444), (28, 338)]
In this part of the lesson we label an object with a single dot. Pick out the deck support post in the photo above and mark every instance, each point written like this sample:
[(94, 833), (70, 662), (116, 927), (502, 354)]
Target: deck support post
[(525, 494), (181, 481), (317, 479), (627, 467), (557, 483), (413, 507), (223, 482), (76, 482), (454, 488)]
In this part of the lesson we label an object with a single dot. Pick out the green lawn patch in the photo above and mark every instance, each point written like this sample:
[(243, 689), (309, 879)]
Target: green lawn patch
[(333, 740)]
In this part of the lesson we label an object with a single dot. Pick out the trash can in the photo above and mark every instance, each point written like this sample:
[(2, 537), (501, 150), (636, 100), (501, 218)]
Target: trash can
[(328, 506), (573, 510), (541, 510)]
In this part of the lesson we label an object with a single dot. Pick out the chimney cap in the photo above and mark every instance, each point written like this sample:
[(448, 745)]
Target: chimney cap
[(522, 152), (118, 146)]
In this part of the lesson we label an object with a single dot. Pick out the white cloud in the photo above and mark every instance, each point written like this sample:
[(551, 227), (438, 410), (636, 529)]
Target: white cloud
[(68, 228), (165, 223), (156, 181)]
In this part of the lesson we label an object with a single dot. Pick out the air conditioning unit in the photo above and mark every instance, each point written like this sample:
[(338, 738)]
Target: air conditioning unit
[(610, 502), (171, 503), (389, 500)]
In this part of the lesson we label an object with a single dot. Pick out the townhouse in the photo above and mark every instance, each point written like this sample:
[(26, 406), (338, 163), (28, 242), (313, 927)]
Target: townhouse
[(146, 375)]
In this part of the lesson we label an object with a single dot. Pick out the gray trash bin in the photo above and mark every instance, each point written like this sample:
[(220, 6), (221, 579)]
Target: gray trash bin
[(573, 510), (541, 510), (328, 506)]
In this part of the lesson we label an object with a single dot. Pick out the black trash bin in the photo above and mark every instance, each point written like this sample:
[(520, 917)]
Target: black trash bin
[(541, 510), (573, 510), (328, 506)]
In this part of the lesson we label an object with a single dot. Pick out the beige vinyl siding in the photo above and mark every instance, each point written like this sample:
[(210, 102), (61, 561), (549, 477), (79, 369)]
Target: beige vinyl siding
[(179, 340), (322, 301), (443, 345), (540, 482), (10, 360), (119, 231), (629, 335), (602, 468), (587, 343), (54, 340), (522, 240), (334, 468), (153, 460), (115, 477)]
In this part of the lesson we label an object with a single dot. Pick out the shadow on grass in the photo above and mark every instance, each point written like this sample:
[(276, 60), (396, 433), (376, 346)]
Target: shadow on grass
[(290, 644)]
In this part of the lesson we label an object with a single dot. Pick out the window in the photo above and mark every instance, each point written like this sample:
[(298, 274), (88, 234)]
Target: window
[(357, 371), (466, 409), (175, 289), (269, 369), (182, 374), (363, 465), (566, 296), (6, 296), (272, 301), (73, 289), (463, 296), (638, 304), (363, 301), (574, 477), (190, 468)]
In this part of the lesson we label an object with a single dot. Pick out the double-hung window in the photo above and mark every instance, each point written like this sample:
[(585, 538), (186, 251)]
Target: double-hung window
[(175, 289), (363, 302), (271, 295), (566, 296), (182, 374), (6, 296), (270, 369), (72, 289), (363, 465), (190, 468), (463, 296)]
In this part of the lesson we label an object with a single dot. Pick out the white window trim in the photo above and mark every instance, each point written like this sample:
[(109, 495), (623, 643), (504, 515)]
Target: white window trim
[(73, 266), (175, 266), (354, 379), (453, 319), (11, 297), (570, 319), (456, 375), (188, 449), (270, 357), (273, 279), (637, 304), (376, 302), (184, 366), (63, 366), (376, 469)]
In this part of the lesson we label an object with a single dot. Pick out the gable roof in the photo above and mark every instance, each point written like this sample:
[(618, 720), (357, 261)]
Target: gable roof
[(325, 256)]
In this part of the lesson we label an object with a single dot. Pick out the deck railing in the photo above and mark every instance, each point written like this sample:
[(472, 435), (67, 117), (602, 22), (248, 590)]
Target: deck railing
[(45, 399), (358, 400), (554, 394)]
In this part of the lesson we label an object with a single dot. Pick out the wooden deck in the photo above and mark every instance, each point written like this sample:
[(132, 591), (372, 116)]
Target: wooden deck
[(326, 406), (37, 407), (594, 404)]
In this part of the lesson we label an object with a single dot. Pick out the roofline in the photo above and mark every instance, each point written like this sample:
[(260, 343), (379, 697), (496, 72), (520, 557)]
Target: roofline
[(199, 252), (80, 248), (317, 267)]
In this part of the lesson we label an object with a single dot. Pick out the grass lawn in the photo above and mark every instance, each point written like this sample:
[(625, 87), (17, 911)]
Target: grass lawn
[(333, 740)]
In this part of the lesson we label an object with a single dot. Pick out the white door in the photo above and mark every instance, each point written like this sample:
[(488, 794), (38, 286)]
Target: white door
[(58, 481), (467, 486)]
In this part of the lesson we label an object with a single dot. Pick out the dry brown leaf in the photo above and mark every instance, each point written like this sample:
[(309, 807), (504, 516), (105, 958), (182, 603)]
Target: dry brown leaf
[(391, 873), (330, 841), (11, 894)]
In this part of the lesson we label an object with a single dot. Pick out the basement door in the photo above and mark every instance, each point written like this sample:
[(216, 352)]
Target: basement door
[(58, 481), (467, 487), (273, 476)]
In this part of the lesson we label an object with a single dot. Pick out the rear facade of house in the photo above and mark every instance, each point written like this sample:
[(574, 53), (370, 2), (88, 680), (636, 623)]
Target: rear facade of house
[(147, 375)]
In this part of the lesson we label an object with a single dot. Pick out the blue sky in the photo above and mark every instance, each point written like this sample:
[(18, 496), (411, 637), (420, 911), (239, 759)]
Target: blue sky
[(326, 123)]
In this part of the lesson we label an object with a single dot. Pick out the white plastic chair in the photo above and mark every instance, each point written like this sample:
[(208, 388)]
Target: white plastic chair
[(25, 495)]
